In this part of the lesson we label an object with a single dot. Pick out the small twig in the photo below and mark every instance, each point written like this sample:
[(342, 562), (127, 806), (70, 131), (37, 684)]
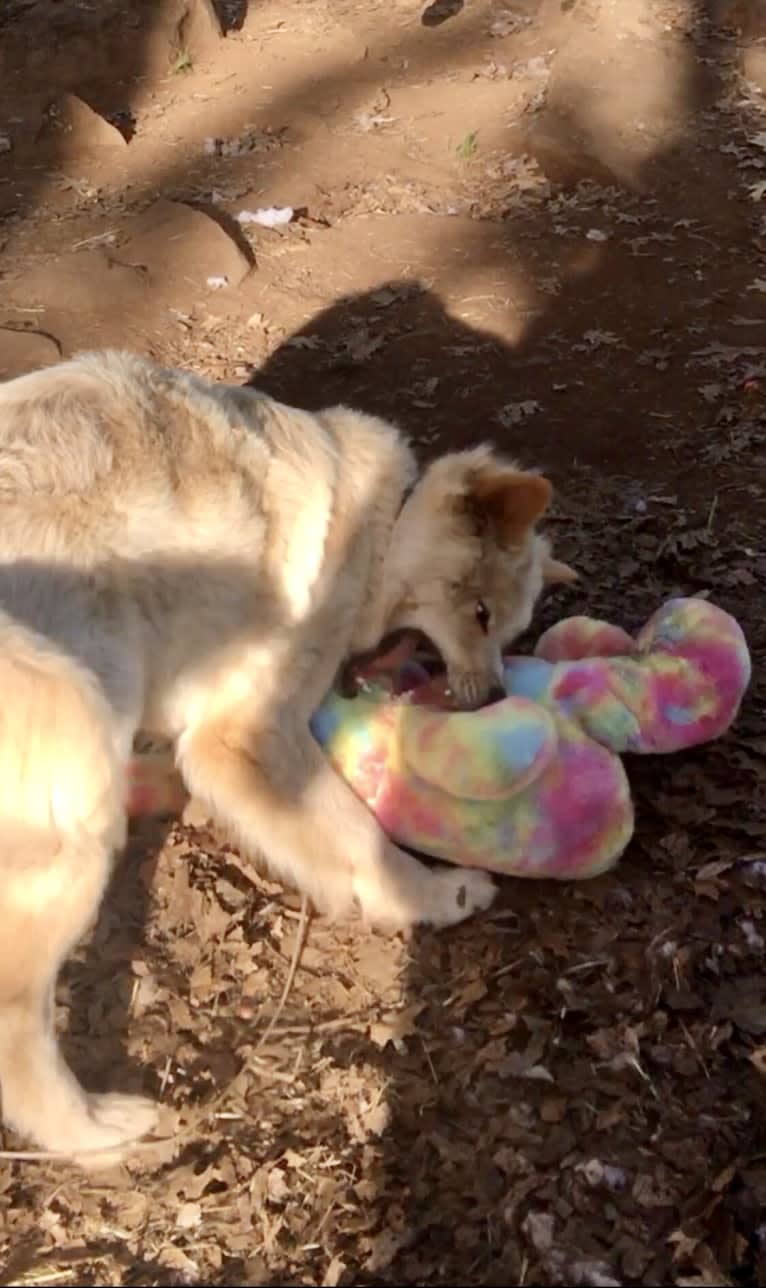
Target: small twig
[(324, 1026), (43, 1276), (94, 240), (575, 970), (218, 1100), (711, 513), (633, 1063), (427, 1053), (690, 1039), (508, 968), (165, 1075), (277, 1074), (300, 938)]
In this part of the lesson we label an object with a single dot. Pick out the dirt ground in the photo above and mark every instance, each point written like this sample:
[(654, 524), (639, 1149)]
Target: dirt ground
[(537, 221)]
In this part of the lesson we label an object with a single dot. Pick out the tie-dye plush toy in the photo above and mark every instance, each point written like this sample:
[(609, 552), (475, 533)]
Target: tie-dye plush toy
[(533, 785)]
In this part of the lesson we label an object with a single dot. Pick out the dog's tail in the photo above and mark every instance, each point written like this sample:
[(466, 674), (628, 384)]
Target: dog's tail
[(59, 770)]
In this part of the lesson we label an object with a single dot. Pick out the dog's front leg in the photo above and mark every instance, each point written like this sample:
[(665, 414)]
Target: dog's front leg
[(280, 796)]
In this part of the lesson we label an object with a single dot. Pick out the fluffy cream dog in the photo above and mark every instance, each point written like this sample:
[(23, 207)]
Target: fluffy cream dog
[(198, 560)]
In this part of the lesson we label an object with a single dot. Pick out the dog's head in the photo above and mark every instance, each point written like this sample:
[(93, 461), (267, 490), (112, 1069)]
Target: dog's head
[(468, 565)]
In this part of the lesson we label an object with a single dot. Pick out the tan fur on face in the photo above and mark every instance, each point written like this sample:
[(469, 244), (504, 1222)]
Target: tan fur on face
[(465, 539)]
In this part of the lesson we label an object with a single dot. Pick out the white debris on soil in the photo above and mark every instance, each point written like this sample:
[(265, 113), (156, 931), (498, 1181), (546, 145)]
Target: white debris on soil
[(268, 217)]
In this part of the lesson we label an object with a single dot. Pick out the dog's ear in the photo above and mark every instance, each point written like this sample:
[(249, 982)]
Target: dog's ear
[(556, 573), (490, 491), (511, 500)]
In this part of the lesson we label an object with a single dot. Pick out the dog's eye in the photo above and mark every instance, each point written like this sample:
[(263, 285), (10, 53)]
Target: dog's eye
[(483, 616)]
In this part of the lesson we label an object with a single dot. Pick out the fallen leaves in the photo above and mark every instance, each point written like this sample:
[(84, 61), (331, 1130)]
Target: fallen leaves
[(395, 1027), (539, 1097), (514, 413)]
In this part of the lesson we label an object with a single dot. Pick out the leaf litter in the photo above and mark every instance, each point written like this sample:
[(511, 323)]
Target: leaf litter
[(569, 1091)]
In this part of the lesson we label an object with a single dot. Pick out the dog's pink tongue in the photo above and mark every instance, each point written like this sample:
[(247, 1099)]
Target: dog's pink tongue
[(394, 667), (397, 657)]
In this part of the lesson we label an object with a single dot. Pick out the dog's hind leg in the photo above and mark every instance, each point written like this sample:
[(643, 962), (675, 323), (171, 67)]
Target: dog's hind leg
[(46, 905), (279, 795), (61, 817)]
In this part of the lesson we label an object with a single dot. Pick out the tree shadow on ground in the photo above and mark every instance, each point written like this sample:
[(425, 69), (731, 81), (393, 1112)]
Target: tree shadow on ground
[(487, 1175)]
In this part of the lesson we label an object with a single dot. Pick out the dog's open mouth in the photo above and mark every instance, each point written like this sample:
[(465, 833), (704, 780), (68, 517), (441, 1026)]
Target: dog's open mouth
[(407, 665), (393, 652)]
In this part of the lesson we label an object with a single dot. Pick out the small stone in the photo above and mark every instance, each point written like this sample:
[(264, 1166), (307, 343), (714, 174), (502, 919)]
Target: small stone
[(179, 244), (78, 129)]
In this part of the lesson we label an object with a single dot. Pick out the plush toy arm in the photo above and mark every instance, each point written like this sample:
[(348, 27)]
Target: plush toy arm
[(577, 637), (700, 669), (682, 687)]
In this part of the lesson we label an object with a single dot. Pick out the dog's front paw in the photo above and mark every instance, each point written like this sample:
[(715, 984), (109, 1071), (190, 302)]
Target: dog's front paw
[(457, 894), (402, 892), (114, 1122)]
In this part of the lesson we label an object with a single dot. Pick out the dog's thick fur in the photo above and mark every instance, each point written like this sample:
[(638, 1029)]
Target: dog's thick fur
[(198, 560)]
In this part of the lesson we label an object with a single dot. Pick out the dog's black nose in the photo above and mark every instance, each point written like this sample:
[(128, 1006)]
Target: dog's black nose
[(496, 694)]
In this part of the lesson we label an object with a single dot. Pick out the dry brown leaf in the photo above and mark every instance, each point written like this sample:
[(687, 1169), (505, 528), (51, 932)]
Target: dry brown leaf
[(710, 870), (395, 1026), (553, 1109), (683, 1244)]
